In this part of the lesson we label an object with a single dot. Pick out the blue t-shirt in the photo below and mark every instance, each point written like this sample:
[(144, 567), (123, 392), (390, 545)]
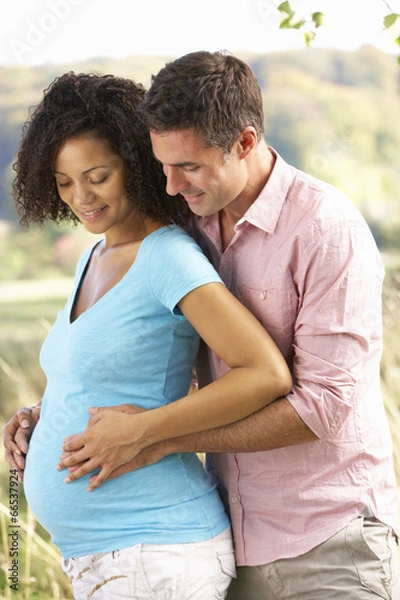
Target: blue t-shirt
[(132, 346)]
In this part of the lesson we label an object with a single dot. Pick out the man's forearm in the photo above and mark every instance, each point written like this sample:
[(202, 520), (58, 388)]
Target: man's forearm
[(275, 426)]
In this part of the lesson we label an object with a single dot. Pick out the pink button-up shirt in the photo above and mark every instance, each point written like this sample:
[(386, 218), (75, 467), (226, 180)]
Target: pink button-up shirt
[(305, 263)]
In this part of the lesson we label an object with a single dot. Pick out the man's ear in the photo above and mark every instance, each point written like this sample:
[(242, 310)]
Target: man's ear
[(247, 141)]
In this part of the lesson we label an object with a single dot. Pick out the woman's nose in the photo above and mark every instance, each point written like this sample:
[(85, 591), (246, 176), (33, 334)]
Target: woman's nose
[(81, 195)]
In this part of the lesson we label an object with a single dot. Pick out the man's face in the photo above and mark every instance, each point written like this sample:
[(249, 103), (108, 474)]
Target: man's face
[(207, 178)]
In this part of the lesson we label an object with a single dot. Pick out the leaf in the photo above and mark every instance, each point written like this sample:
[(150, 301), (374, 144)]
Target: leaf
[(285, 7), (318, 18), (298, 25), (309, 37), (390, 20), (397, 40), (286, 23)]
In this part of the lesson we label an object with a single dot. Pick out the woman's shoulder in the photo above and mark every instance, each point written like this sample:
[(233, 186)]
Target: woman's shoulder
[(173, 245), (174, 236)]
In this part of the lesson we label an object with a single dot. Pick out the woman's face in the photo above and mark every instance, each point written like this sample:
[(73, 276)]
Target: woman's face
[(90, 178)]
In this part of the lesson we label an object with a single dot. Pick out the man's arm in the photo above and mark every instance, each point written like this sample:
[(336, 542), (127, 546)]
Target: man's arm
[(17, 433), (274, 426)]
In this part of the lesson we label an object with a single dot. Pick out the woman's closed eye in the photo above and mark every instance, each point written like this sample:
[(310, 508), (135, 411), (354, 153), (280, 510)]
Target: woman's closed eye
[(98, 181), (62, 184)]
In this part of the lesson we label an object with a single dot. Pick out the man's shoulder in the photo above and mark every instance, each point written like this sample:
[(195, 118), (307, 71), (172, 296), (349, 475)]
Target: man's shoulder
[(321, 200)]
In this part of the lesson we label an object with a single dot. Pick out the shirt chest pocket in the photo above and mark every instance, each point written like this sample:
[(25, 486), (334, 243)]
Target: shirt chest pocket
[(276, 309)]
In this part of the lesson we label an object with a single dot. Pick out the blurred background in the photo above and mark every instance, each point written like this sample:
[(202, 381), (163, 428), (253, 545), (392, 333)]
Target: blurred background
[(332, 106)]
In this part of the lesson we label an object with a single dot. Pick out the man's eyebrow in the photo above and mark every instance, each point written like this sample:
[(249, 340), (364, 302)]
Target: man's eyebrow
[(183, 164)]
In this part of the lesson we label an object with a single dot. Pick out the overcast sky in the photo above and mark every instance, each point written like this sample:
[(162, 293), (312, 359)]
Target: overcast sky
[(34, 32)]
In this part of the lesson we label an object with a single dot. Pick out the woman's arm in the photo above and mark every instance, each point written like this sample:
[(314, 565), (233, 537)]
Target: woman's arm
[(257, 374)]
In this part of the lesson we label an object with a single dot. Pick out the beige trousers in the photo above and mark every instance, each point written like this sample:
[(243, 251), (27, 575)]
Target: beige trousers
[(361, 562)]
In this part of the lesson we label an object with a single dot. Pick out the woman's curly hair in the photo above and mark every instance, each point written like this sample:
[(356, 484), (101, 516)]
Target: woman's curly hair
[(107, 107)]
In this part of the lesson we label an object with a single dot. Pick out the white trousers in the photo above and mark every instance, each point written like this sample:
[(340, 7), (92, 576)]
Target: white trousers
[(195, 571)]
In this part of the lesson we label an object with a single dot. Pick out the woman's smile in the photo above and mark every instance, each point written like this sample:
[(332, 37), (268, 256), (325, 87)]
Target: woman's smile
[(91, 215)]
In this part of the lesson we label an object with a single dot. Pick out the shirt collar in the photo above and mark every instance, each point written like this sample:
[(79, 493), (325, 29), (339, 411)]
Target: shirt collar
[(265, 210)]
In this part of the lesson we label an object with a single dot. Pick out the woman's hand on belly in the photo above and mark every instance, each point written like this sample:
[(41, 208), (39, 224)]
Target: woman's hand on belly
[(92, 449), (148, 456)]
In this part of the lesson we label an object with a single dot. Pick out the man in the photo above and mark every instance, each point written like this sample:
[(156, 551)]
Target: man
[(308, 481)]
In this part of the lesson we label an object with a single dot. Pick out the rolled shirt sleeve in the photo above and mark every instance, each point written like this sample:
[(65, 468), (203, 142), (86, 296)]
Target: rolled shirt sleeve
[(338, 328)]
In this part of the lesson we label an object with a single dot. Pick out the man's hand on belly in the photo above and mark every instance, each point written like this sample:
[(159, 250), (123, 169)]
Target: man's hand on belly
[(17, 434)]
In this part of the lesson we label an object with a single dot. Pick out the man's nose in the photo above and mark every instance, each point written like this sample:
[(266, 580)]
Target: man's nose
[(176, 180)]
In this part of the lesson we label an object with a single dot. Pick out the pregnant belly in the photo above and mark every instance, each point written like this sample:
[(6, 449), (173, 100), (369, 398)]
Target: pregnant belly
[(52, 500), (153, 505)]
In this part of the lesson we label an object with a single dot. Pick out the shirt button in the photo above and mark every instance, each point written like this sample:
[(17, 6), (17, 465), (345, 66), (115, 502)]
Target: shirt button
[(262, 296), (234, 500)]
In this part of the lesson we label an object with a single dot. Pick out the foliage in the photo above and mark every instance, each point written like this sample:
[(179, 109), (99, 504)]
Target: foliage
[(290, 20), (391, 22)]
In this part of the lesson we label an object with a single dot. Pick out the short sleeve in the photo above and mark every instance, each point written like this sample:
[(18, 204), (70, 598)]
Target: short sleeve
[(177, 266)]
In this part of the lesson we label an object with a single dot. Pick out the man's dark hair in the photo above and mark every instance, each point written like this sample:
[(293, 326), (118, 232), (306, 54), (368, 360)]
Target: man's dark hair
[(214, 93)]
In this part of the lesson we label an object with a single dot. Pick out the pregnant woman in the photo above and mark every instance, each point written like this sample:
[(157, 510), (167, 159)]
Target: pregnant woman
[(144, 295)]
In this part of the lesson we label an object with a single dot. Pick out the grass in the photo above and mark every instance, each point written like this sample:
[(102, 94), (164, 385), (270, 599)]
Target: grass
[(23, 326), (30, 564), (24, 323)]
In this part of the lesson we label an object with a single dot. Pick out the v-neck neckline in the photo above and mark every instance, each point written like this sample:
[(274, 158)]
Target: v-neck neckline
[(71, 320)]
